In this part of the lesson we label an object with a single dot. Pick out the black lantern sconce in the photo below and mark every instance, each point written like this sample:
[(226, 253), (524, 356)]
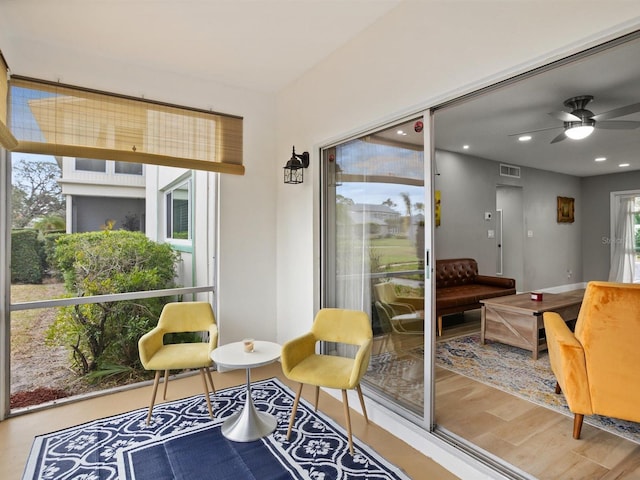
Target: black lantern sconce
[(293, 168)]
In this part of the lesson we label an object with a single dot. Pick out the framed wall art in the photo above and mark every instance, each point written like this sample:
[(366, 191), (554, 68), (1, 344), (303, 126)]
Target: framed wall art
[(566, 208)]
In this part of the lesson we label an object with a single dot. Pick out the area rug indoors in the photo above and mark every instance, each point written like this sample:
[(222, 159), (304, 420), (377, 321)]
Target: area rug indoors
[(183, 442), (512, 370)]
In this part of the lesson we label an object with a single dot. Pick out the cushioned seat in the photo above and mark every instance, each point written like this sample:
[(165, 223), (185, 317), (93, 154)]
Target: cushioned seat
[(180, 317), (597, 367), (301, 362), (459, 287)]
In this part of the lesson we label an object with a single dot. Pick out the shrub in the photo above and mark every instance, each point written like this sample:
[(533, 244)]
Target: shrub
[(104, 335), (26, 257)]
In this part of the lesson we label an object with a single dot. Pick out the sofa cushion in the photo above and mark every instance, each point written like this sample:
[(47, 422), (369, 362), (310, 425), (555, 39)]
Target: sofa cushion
[(459, 287), (468, 294), (455, 271)]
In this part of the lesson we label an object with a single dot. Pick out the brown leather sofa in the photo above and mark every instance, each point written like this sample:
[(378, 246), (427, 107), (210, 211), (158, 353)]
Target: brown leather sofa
[(459, 287)]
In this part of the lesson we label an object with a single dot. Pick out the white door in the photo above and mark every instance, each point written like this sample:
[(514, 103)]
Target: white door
[(510, 234)]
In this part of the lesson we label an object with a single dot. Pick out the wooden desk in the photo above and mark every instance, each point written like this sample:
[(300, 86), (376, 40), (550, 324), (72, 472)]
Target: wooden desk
[(517, 320)]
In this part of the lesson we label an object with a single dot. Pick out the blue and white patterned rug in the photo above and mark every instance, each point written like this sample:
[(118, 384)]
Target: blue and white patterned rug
[(100, 450), (512, 370)]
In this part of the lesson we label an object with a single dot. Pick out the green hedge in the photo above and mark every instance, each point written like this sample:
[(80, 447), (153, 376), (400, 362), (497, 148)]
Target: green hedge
[(27, 257)]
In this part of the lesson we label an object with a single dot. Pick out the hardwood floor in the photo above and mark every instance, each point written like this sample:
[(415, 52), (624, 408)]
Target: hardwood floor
[(533, 438), (16, 433)]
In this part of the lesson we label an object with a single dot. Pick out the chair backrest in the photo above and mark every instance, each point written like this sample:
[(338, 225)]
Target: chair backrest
[(338, 325), (384, 317), (385, 292), (186, 317), (608, 327)]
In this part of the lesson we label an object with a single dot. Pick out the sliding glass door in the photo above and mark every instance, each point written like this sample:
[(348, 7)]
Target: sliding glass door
[(375, 251)]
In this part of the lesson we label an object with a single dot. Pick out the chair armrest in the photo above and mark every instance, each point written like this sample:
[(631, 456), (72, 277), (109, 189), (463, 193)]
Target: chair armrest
[(213, 337), (496, 281), (401, 308), (417, 303), (296, 350), (567, 358), (149, 344), (360, 363)]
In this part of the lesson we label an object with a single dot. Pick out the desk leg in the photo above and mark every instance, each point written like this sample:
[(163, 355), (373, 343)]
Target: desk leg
[(249, 424)]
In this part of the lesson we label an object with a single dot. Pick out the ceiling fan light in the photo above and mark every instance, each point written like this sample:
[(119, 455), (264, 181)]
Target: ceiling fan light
[(579, 132)]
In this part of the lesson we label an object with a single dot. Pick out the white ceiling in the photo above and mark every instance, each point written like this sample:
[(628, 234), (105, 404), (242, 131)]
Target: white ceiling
[(486, 122), (261, 45), (264, 45)]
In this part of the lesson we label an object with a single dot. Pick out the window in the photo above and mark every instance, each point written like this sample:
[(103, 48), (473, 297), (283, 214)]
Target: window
[(128, 168), (179, 212), (91, 165)]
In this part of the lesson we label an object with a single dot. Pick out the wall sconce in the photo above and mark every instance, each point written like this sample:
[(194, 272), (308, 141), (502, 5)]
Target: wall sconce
[(293, 168)]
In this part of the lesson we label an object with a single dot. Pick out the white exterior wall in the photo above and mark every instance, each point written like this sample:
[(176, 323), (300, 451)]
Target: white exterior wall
[(417, 56)]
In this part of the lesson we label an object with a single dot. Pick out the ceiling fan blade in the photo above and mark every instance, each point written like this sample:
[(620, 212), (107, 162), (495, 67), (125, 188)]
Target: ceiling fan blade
[(565, 116), (618, 125), (618, 112), (559, 138), (534, 131)]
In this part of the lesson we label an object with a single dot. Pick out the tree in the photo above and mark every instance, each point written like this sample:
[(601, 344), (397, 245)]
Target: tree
[(102, 335), (389, 203), (407, 204), (36, 192)]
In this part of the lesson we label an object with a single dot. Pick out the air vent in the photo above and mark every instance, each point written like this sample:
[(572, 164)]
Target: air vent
[(509, 171)]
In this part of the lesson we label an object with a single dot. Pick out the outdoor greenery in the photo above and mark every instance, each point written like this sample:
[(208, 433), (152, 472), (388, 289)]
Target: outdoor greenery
[(27, 257), (103, 337), (36, 193)]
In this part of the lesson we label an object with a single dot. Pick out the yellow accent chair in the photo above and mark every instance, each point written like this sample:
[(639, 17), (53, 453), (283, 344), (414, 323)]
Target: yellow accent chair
[(386, 293), (597, 367), (410, 323), (301, 363), (180, 317)]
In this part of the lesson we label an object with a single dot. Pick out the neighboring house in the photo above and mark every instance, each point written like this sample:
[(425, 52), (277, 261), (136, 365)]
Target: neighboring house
[(155, 200), (381, 220), (99, 192)]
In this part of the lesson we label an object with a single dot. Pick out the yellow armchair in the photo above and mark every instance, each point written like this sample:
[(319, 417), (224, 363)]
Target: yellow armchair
[(386, 294), (179, 317), (301, 363), (597, 367)]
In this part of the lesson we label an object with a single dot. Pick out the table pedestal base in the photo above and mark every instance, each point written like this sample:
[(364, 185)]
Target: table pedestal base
[(249, 424)]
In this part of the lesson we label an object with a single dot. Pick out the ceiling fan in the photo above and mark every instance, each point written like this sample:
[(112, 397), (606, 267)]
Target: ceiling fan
[(580, 122)]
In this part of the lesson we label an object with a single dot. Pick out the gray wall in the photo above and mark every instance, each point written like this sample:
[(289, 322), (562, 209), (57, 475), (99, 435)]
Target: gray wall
[(596, 228), (468, 189)]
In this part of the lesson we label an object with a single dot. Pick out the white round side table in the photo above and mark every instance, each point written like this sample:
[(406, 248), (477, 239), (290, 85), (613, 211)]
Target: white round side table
[(249, 424)]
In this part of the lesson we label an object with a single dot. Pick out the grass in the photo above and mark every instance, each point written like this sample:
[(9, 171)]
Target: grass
[(28, 326)]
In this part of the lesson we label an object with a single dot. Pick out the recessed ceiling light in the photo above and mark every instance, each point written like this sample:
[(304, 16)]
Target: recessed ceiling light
[(525, 138), (601, 159), (623, 165), (401, 132), (466, 147)]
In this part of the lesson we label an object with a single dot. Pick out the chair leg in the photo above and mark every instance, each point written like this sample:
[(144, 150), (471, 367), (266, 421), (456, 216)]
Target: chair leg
[(315, 405), (577, 425), (347, 418), (364, 409), (166, 382), (206, 391), (153, 395), (558, 389), (213, 387), (294, 409), (440, 326)]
